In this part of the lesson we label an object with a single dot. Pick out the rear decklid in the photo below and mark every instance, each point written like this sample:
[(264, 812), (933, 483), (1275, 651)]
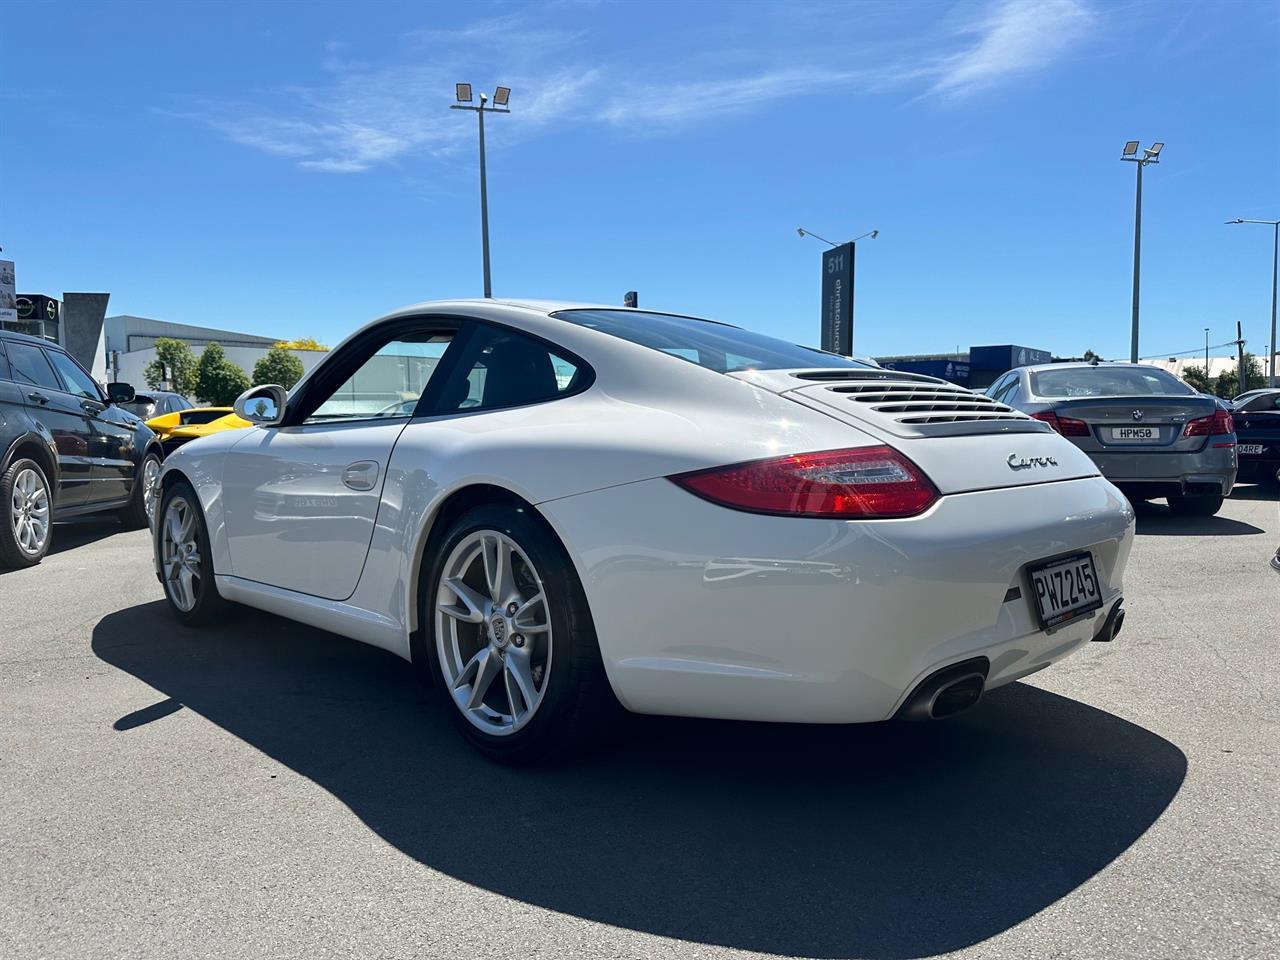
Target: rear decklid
[(963, 440), (1154, 423)]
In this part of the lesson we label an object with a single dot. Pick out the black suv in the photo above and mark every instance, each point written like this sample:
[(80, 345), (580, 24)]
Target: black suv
[(65, 448)]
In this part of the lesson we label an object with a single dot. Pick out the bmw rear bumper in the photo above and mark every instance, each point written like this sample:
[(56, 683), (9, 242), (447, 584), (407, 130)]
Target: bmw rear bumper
[(706, 611), (1210, 470)]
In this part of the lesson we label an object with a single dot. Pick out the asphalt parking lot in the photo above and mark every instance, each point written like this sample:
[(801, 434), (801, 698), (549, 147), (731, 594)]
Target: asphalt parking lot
[(264, 789)]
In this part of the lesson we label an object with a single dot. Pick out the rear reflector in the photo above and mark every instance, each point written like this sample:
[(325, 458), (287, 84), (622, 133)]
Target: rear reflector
[(1063, 425), (862, 483), (1215, 426)]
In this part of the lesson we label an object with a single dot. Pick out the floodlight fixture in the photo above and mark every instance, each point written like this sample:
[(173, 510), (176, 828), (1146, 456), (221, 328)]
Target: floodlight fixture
[(501, 96), (463, 91), (1130, 148)]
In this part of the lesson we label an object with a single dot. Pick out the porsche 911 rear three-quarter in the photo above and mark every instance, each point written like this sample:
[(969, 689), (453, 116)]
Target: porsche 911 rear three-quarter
[(547, 507)]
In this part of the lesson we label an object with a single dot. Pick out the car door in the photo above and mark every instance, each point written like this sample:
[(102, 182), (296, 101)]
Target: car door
[(301, 499), (112, 454), (62, 415)]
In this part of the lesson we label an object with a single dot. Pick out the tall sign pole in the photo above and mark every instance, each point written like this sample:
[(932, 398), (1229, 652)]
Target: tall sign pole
[(837, 299)]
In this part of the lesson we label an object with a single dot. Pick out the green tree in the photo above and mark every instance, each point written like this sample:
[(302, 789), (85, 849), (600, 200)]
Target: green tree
[(218, 380), (278, 366), (1197, 379), (1090, 355), (175, 357), (303, 343), (1228, 383)]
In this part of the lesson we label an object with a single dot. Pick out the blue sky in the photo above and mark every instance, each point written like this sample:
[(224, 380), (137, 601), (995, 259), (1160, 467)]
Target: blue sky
[(294, 169)]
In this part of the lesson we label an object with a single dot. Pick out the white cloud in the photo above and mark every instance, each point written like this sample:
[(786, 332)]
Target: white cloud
[(366, 115), (1016, 37)]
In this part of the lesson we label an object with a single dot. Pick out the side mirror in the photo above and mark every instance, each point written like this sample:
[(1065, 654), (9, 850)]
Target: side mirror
[(120, 392), (262, 406)]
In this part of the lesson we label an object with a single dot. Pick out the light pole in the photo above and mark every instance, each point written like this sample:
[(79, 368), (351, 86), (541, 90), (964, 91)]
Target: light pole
[(1275, 263), (1206, 353), (501, 96), (1150, 155)]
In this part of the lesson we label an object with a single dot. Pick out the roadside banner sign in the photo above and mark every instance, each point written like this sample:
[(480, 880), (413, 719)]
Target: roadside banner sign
[(8, 293), (837, 299)]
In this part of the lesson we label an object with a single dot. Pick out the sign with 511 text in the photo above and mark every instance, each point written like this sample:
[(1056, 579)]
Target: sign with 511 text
[(837, 300)]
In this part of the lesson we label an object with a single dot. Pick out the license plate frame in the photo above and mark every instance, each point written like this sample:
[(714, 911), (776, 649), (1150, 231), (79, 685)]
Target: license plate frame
[(1251, 449), (1135, 434), (1047, 617)]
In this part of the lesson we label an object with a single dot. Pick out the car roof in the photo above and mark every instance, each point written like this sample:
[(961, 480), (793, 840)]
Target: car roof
[(1082, 364), (27, 338)]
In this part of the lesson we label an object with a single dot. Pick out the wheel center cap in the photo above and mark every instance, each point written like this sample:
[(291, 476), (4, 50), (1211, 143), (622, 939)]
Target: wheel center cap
[(498, 627)]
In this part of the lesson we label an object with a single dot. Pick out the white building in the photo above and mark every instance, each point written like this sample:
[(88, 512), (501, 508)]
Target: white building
[(130, 346)]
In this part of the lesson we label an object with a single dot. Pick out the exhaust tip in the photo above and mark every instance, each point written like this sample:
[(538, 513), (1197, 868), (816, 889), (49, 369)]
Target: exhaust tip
[(947, 691), (959, 695), (1110, 628)]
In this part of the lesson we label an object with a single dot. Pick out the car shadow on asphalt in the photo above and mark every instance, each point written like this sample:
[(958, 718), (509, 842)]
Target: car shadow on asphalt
[(70, 534), (1156, 519), (888, 840), (1256, 491)]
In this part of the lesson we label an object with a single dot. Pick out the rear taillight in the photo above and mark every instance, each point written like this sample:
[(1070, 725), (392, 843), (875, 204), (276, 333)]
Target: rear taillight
[(1215, 426), (862, 483), (1064, 425)]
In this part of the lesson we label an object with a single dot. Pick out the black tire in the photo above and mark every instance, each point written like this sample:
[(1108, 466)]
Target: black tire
[(578, 708), (1206, 506), (12, 553), (134, 516), (208, 603)]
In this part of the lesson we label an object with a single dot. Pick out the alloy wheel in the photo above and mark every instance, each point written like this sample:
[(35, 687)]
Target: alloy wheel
[(29, 511), (150, 486), (180, 554), (493, 632)]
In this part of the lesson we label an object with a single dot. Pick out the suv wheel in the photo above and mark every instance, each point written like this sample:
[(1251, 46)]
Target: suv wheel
[(140, 509), (27, 529)]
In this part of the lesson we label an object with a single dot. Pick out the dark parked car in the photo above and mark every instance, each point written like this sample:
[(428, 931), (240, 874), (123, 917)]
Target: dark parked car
[(1257, 417), (155, 403), (66, 448), (1149, 433)]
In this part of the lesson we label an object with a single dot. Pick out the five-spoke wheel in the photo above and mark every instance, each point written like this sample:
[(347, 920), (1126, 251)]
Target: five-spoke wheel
[(493, 632)]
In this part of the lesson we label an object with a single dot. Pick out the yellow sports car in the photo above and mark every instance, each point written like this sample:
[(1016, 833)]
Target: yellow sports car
[(175, 429)]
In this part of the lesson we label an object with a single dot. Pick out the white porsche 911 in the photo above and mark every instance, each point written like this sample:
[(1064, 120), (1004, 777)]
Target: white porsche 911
[(554, 509)]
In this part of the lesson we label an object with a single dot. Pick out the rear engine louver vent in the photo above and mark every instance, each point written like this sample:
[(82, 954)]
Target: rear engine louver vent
[(916, 404)]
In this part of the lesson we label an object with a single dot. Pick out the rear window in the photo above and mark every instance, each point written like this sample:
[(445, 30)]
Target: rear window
[(1108, 382), (1262, 402), (716, 346)]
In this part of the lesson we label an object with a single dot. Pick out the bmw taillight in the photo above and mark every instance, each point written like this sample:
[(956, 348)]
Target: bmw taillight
[(1066, 426), (858, 484), (1215, 426)]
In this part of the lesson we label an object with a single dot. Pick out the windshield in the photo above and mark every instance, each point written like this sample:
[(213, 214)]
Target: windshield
[(1107, 382), (716, 346)]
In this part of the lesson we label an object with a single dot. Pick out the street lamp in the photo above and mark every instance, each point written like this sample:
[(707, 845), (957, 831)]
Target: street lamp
[(809, 233), (1275, 262), (501, 96), (1150, 155)]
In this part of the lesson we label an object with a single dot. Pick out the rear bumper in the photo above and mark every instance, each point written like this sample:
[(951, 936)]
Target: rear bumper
[(705, 611), (1211, 469), (1258, 469)]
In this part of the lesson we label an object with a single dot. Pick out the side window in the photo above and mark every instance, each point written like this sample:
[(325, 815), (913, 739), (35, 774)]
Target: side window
[(4, 364), (503, 368), (997, 389), (30, 368), (1013, 393), (389, 383), (76, 380)]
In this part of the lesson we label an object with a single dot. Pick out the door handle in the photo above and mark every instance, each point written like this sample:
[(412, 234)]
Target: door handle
[(37, 397), (89, 406), (361, 475)]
